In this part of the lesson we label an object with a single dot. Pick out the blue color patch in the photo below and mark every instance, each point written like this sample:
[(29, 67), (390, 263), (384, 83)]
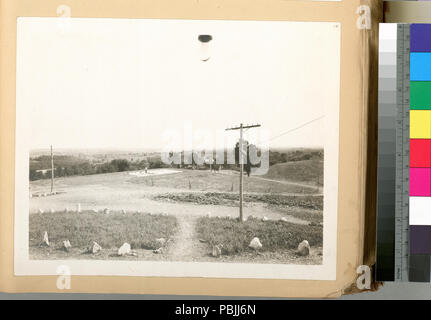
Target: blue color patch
[(420, 66)]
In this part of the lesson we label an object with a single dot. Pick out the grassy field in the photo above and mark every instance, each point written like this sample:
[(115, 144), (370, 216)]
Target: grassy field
[(108, 230), (226, 181), (231, 199), (274, 235), (307, 171), (186, 198)]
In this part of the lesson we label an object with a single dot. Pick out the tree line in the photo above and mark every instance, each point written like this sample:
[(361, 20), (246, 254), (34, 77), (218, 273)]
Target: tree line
[(66, 165)]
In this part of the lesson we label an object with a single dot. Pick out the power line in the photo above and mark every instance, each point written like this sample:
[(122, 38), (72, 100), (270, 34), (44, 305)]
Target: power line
[(296, 128)]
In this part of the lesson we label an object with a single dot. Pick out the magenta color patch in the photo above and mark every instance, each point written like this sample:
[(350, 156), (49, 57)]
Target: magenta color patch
[(420, 182)]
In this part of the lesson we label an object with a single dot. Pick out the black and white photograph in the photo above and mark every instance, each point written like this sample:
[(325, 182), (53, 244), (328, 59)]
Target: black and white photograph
[(151, 147)]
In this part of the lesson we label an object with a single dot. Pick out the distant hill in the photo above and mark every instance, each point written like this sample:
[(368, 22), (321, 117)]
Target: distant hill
[(310, 171)]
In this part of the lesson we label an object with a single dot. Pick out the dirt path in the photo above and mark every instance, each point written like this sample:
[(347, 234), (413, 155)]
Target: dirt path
[(185, 246)]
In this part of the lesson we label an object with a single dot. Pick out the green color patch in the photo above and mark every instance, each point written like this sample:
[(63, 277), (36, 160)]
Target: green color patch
[(420, 95)]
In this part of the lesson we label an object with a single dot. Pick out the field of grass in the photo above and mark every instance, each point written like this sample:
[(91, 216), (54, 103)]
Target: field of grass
[(313, 216), (108, 230), (310, 171), (231, 199), (226, 181), (274, 235)]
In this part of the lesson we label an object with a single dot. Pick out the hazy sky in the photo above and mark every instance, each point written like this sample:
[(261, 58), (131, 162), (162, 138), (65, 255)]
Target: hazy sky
[(126, 83)]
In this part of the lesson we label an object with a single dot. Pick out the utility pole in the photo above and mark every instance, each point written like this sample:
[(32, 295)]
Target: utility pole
[(52, 171), (241, 155)]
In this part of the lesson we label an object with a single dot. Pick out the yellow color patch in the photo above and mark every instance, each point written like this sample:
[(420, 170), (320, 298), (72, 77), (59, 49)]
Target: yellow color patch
[(420, 124)]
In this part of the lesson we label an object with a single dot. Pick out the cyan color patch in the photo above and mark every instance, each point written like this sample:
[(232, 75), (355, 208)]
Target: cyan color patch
[(420, 66)]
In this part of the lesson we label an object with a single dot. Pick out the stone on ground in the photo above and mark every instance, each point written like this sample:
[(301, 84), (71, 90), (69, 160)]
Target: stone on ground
[(45, 239), (106, 211), (161, 241), (216, 251), (284, 219), (66, 245), (125, 249), (265, 219), (94, 248), (255, 243), (304, 248), (40, 210)]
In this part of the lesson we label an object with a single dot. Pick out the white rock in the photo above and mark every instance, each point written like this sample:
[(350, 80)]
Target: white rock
[(51, 210), (40, 210), (124, 249), (265, 219), (45, 239), (255, 243), (304, 248), (284, 219), (67, 245), (95, 248), (158, 251), (216, 251), (78, 208), (106, 211), (161, 241), (94, 210)]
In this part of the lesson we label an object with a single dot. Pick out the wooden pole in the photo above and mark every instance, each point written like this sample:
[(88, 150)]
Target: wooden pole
[(241, 155), (241, 169), (52, 171)]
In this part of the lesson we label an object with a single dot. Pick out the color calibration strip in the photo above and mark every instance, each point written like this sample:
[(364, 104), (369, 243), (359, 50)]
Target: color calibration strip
[(404, 163), (420, 153), (386, 177)]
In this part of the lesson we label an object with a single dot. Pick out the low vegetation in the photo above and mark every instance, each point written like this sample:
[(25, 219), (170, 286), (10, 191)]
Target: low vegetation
[(235, 237), (231, 199), (308, 171), (108, 230), (66, 166), (87, 164)]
